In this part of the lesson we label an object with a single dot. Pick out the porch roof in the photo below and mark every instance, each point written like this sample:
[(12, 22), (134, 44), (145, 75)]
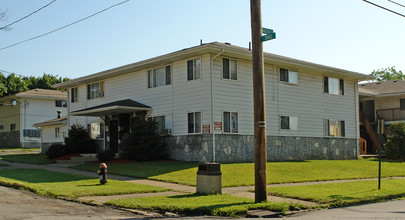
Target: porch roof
[(112, 108)]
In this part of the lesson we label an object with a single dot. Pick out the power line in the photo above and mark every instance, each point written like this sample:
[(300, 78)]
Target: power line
[(397, 3), (27, 15), (384, 8), (58, 29)]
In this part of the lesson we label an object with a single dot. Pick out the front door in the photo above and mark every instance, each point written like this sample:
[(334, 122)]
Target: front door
[(114, 136), (368, 109)]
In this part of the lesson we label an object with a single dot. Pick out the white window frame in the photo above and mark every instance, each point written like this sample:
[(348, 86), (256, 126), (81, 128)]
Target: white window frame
[(292, 76), (292, 122), (338, 132), (96, 130), (196, 69), (233, 127), (152, 75), (334, 86), (233, 70), (95, 90), (196, 129)]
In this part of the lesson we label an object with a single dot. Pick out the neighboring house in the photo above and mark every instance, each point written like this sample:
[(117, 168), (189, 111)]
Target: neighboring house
[(52, 131), (203, 98), (380, 100), (19, 112)]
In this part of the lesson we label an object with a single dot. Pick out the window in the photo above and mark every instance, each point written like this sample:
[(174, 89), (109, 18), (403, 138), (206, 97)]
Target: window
[(96, 130), (31, 133), (1, 127), (57, 133), (288, 122), (229, 69), (402, 103), (193, 69), (194, 122), (165, 123), (60, 103), (288, 76), (334, 128), (230, 122), (159, 77), (12, 127), (95, 90), (333, 86), (73, 95)]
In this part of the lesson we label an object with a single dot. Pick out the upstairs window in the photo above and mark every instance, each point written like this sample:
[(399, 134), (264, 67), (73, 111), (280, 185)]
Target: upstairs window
[(32, 133), (194, 122), (288, 76), (334, 128), (288, 122), (159, 77), (12, 127), (74, 95), (60, 103), (333, 86), (193, 69), (229, 69), (402, 103), (95, 90), (230, 122), (1, 127)]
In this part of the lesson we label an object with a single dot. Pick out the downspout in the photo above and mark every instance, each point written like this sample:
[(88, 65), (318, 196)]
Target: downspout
[(356, 118), (212, 104)]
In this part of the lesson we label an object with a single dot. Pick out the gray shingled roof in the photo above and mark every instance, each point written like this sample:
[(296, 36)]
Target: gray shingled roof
[(390, 87)]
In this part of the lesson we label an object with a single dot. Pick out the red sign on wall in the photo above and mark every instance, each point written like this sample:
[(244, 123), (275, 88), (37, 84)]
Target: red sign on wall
[(217, 126), (206, 129)]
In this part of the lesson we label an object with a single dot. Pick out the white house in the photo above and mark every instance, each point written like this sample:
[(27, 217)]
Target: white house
[(53, 131), (203, 98), (380, 100), (19, 112)]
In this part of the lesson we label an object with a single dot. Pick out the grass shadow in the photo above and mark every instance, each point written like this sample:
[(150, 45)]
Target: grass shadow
[(40, 176)]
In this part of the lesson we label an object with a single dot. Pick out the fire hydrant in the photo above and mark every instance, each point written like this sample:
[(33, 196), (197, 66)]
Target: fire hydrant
[(103, 173)]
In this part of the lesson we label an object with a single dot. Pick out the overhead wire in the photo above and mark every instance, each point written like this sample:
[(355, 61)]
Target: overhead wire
[(58, 29), (384, 8), (396, 3), (4, 27)]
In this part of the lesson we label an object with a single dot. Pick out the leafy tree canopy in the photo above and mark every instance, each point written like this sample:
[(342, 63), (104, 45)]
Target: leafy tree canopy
[(389, 73), (12, 84)]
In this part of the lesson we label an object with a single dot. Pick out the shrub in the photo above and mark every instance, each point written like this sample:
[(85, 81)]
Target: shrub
[(395, 146), (78, 141), (105, 155), (56, 150), (143, 143)]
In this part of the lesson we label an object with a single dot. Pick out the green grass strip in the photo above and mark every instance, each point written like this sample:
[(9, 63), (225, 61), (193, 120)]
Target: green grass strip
[(69, 185), (197, 204), (3, 149), (344, 194), (242, 174), (27, 158)]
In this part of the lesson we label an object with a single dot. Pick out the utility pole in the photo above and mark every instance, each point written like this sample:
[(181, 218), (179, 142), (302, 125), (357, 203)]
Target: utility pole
[(259, 102)]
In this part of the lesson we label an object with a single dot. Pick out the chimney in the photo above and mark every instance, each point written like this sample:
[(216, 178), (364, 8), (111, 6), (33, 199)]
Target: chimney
[(59, 113)]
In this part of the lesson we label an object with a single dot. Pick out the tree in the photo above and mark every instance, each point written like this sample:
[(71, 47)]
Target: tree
[(389, 73), (395, 146)]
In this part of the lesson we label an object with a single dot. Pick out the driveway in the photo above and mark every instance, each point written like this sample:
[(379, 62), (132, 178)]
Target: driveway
[(382, 210)]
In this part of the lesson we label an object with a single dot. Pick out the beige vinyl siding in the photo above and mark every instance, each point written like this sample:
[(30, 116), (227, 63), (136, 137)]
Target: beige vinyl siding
[(48, 133), (9, 115)]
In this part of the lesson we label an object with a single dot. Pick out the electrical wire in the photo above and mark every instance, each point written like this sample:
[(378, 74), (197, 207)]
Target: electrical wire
[(397, 3), (384, 8), (58, 29), (27, 16)]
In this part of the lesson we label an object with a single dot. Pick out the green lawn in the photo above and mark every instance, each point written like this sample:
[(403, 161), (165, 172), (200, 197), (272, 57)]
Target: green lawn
[(344, 194), (27, 158), (69, 185), (196, 204), (239, 174), (4, 149)]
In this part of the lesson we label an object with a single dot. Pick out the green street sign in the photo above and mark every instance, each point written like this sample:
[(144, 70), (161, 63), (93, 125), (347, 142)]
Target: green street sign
[(269, 34)]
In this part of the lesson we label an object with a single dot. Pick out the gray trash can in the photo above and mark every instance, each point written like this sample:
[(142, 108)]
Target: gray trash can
[(209, 178)]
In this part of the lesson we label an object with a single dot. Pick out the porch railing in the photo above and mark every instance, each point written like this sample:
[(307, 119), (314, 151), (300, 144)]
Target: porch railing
[(391, 114), (363, 146)]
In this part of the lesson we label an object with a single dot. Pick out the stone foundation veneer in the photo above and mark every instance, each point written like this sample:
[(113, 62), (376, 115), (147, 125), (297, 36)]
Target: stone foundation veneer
[(240, 148)]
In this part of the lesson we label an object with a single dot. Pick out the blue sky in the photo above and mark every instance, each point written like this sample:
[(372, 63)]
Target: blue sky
[(347, 34)]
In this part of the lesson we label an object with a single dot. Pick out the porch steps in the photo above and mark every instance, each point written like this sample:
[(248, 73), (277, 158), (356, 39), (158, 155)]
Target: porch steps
[(83, 158)]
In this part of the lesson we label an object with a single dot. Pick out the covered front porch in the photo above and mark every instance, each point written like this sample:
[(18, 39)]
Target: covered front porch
[(118, 117)]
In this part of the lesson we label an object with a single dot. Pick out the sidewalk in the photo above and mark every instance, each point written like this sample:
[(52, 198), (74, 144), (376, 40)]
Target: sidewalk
[(177, 189)]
